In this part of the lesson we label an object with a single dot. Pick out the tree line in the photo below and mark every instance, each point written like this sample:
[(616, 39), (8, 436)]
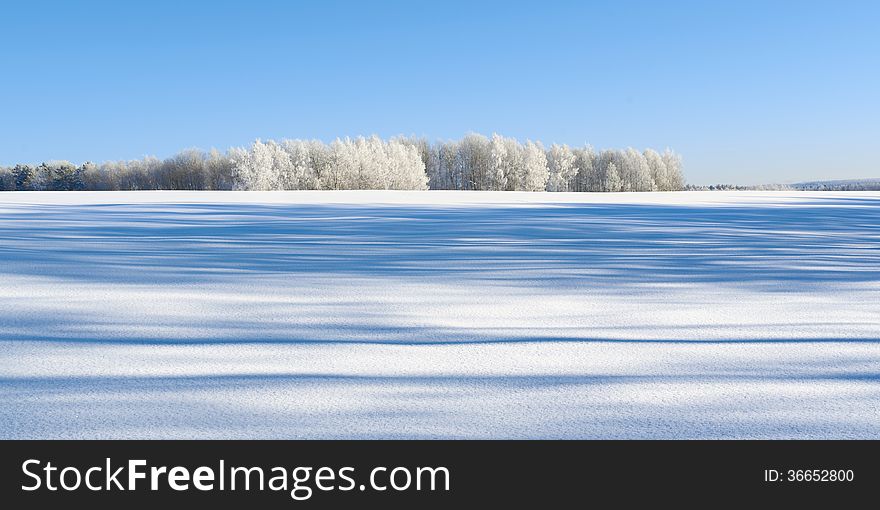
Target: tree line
[(475, 162), (835, 185)]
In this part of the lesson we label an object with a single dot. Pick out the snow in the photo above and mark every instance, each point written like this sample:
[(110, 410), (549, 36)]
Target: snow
[(439, 315)]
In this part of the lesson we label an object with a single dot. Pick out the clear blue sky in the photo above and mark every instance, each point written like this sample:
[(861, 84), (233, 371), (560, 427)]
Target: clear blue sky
[(747, 91)]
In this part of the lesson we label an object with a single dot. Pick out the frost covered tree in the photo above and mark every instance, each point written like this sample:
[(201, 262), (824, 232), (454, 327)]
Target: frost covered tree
[(360, 163), (219, 171), (612, 178), (587, 178), (499, 166), (561, 168), (243, 168), (657, 168), (513, 166), (447, 169), (300, 173), (94, 178), (636, 174), (440, 166), (407, 168), (473, 163), (534, 173), (257, 168), (675, 177), (185, 170)]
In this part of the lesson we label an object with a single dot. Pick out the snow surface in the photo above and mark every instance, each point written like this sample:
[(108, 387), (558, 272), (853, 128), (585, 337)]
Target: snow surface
[(439, 314)]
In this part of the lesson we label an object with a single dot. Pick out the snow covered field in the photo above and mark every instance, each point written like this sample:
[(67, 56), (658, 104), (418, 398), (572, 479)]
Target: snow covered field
[(439, 314)]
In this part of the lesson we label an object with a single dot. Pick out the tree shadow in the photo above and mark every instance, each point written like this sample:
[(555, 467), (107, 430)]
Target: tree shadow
[(817, 246), (827, 405), (768, 247)]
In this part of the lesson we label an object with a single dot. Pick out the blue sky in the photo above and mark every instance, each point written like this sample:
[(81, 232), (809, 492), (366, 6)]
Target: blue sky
[(747, 92)]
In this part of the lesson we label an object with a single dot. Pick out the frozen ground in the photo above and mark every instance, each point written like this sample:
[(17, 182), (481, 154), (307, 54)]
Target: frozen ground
[(439, 314)]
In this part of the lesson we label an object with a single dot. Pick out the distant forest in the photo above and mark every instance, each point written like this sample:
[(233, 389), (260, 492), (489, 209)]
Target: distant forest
[(475, 162), (835, 185)]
